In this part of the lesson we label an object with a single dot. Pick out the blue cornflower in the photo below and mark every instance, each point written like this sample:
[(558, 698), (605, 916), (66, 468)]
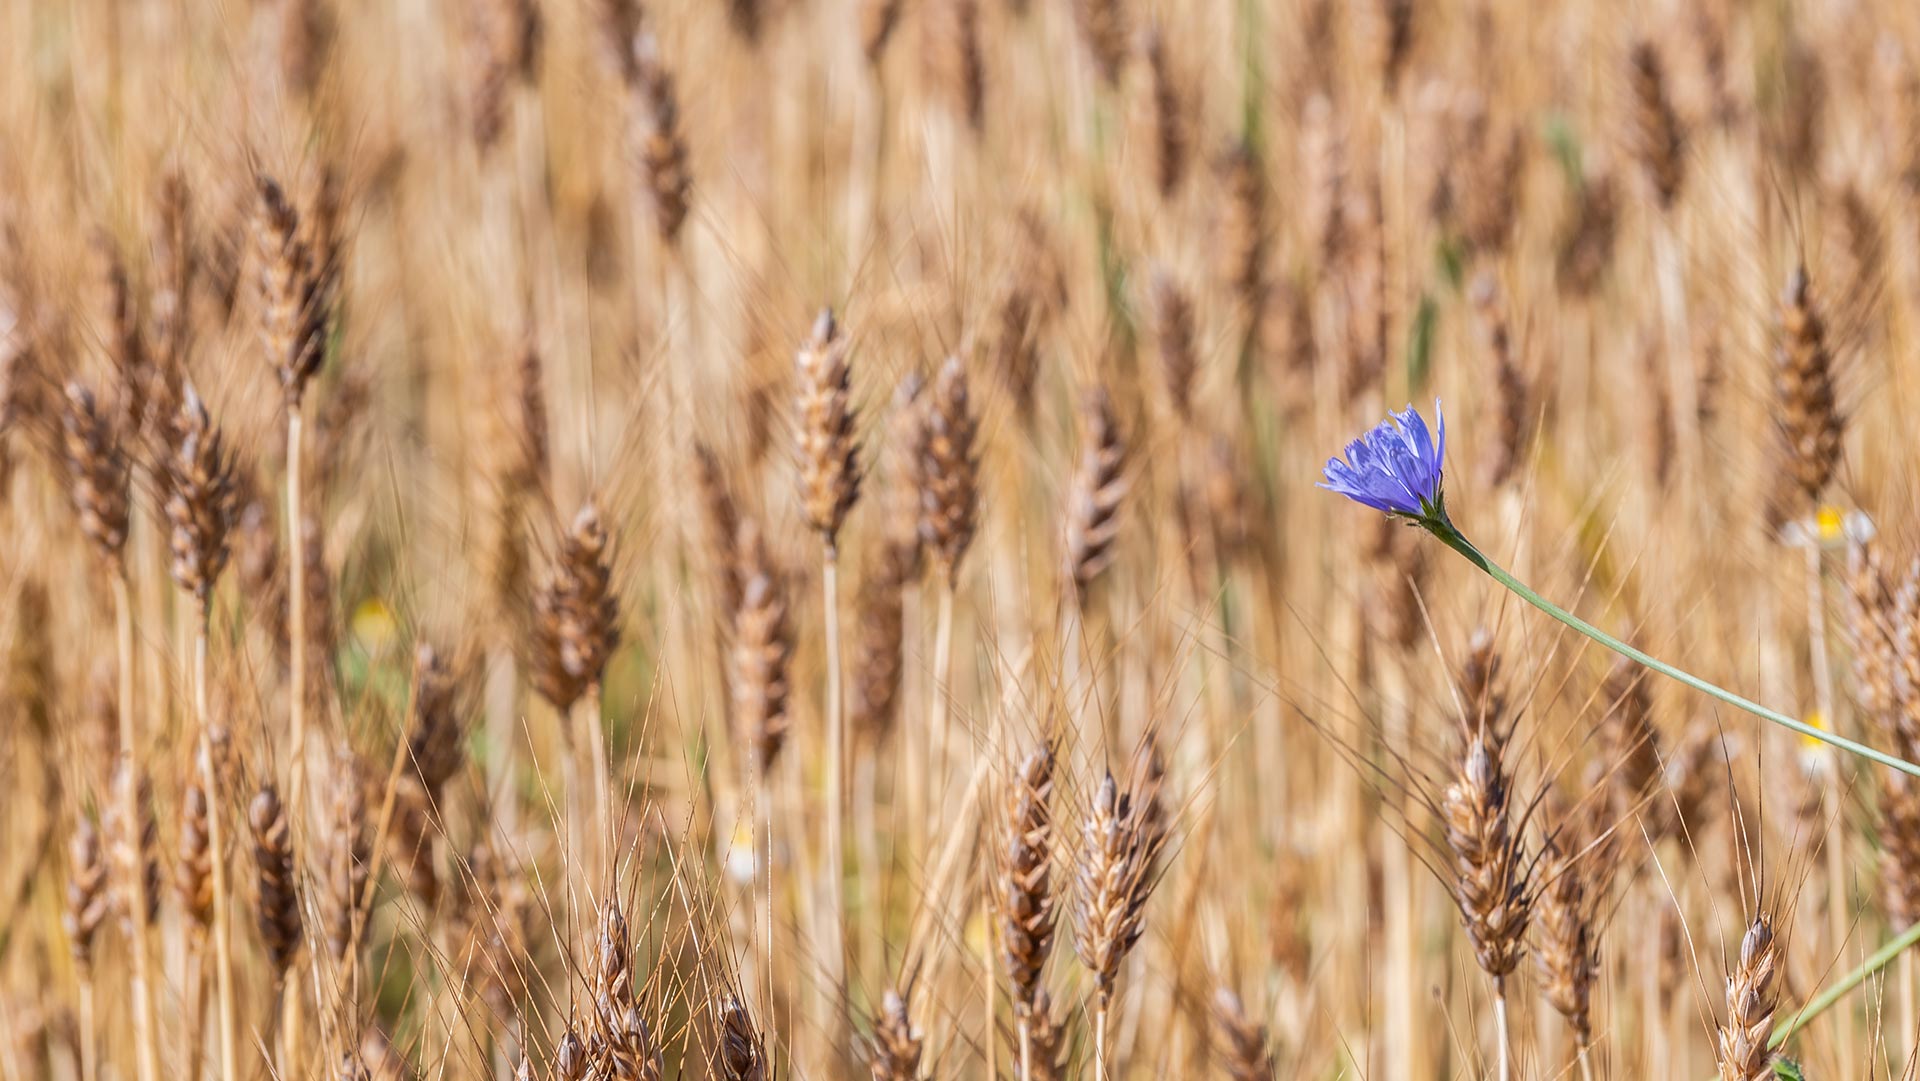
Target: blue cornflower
[(1395, 467)]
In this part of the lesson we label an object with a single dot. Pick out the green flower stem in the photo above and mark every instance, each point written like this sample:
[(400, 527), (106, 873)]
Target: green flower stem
[(1837, 991), (1439, 526)]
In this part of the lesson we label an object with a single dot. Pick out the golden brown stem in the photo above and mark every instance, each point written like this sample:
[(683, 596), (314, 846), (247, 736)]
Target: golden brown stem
[(89, 1038), (573, 796), (988, 978), (502, 706), (760, 782), (1817, 637), (296, 630), (937, 726), (834, 946), (1500, 1028), (195, 1024), (216, 843), (147, 1058), (866, 170), (587, 713), (1398, 887), (913, 738), (1909, 1016), (1100, 1041), (296, 704), (290, 1021)]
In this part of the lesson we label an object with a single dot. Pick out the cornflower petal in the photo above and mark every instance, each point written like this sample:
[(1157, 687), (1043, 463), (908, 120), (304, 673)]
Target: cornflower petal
[(1396, 467)]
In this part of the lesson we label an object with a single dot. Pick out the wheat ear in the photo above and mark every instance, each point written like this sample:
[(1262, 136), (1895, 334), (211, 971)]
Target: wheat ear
[(1240, 1044), (1121, 840), (621, 1045), (278, 909), (1099, 486), (1489, 880), (1742, 1045), (1026, 907), (897, 1042), (1567, 941), (743, 1052), (295, 284)]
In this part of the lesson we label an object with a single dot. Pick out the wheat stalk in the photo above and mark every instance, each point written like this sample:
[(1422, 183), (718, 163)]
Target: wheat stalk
[(200, 476), (830, 476), (1813, 429), (295, 290), (100, 480)]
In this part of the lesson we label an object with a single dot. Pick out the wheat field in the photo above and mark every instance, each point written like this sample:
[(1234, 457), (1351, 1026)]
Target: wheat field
[(546, 540)]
